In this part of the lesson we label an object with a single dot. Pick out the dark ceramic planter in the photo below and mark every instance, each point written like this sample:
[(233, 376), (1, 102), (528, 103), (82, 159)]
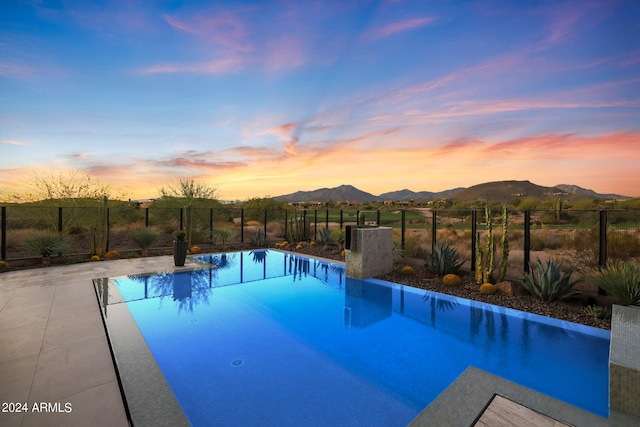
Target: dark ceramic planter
[(180, 252)]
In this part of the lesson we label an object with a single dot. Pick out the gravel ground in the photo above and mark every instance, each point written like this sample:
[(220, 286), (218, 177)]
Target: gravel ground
[(572, 311)]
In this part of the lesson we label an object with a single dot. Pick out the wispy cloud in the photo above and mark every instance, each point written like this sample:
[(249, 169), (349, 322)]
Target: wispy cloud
[(13, 142), (397, 27), (14, 70), (221, 66)]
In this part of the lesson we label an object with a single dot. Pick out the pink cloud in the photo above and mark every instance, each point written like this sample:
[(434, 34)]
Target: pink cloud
[(397, 27), (220, 66), (13, 142)]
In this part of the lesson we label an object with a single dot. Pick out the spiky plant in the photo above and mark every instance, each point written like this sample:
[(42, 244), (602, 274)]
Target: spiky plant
[(620, 279), (144, 237), (46, 244), (324, 237), (598, 311), (259, 239), (549, 283), (444, 260)]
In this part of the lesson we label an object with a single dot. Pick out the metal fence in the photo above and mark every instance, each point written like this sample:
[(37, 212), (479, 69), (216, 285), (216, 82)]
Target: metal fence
[(581, 237)]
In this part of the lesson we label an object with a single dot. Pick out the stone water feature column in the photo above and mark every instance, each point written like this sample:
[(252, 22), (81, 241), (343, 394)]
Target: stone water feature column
[(624, 360), (368, 251)]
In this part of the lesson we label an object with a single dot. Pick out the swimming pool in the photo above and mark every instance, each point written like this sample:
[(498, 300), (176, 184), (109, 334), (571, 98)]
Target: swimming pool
[(271, 338)]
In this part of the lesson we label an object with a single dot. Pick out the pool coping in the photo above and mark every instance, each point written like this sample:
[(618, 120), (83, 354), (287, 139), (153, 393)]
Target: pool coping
[(476, 388)]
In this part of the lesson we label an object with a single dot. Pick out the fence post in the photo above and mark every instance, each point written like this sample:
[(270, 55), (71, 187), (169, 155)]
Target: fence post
[(341, 222), (265, 227), (474, 218), (181, 218), (527, 241), (326, 219), (315, 224), (602, 258), (108, 227), (3, 243), (304, 224), (241, 226), (402, 229), (211, 225), (434, 229), (286, 223), (378, 217), (60, 219), (146, 217), (357, 216)]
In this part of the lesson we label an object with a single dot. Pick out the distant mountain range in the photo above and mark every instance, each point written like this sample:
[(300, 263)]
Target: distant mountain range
[(500, 191)]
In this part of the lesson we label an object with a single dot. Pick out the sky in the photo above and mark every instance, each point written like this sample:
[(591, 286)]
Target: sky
[(265, 98)]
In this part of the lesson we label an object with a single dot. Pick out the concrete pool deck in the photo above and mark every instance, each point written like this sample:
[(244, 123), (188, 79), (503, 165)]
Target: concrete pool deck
[(55, 356)]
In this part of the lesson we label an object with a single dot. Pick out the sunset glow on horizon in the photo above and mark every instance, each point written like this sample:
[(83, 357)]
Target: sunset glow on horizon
[(265, 98)]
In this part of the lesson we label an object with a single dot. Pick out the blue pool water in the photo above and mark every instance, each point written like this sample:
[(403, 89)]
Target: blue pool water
[(268, 338)]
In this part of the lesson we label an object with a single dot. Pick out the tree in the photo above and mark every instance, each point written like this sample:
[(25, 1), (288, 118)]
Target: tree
[(65, 187), (190, 190), (254, 208), (67, 190), (191, 194)]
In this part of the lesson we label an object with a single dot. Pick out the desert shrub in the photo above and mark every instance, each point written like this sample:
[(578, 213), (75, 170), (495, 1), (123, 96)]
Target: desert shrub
[(411, 246), (444, 260), (338, 235), (275, 229), (620, 279), (536, 244), (550, 284), (144, 237), (46, 244), (622, 245), (222, 235)]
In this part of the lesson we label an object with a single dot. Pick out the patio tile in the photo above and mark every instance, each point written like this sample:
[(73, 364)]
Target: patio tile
[(70, 369), (21, 341), (15, 315), (11, 420), (72, 301), (97, 406), (4, 298), (73, 329), (17, 376), (32, 296)]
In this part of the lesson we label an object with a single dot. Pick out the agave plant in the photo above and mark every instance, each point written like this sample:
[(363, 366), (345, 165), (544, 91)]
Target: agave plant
[(444, 260), (550, 284), (324, 237), (259, 239), (620, 279)]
